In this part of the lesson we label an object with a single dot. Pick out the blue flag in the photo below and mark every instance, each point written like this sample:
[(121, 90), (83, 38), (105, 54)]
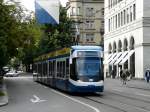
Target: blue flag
[(47, 11)]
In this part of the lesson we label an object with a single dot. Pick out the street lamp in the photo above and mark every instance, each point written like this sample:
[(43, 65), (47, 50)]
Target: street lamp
[(77, 35)]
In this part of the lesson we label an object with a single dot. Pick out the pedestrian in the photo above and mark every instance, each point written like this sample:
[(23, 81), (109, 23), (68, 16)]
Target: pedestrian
[(147, 75), (127, 74), (113, 74), (121, 72), (124, 77)]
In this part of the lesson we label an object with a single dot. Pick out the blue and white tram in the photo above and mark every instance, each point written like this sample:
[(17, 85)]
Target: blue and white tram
[(75, 69)]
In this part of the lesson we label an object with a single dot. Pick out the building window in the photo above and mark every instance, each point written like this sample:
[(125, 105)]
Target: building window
[(132, 43), (113, 22), (78, 11), (109, 49), (102, 11), (73, 11), (116, 21), (89, 25), (125, 45), (109, 24), (89, 12), (89, 37), (119, 46), (109, 3), (131, 14), (119, 20), (127, 15), (134, 12), (124, 12), (114, 47)]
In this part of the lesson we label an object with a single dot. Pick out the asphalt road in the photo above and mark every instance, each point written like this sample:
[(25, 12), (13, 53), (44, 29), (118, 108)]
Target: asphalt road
[(28, 96)]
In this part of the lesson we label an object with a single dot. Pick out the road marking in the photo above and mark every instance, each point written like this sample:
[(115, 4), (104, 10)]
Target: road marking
[(45, 87), (77, 101), (142, 94), (142, 110), (117, 90), (36, 99)]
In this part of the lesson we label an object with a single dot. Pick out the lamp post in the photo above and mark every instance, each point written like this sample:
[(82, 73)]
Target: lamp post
[(77, 35)]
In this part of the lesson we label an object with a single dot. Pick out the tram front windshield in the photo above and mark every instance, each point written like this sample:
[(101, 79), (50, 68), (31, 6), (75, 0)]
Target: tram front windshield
[(88, 69)]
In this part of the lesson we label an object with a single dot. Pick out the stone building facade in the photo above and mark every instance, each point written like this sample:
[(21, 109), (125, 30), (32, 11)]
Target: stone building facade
[(127, 37), (88, 17)]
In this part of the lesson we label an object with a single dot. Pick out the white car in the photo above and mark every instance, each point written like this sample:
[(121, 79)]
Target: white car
[(12, 74)]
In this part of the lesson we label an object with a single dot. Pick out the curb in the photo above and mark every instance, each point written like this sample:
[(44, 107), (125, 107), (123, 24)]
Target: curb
[(4, 99)]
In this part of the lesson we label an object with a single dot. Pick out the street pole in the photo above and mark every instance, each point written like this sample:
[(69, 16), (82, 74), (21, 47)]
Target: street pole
[(77, 35)]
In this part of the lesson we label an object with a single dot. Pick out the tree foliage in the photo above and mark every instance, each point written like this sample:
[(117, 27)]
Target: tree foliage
[(57, 36), (19, 34), (21, 37)]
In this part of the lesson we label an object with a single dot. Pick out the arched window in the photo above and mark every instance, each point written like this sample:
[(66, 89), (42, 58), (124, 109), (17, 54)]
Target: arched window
[(125, 48), (119, 46), (132, 43), (109, 49), (114, 47)]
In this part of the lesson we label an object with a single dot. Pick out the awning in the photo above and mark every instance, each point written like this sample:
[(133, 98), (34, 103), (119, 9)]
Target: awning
[(127, 57), (112, 57), (121, 57), (115, 59), (106, 60)]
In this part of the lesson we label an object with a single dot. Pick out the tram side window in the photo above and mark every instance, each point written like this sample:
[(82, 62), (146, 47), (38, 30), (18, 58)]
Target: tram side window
[(73, 70), (54, 68), (57, 69), (63, 69), (34, 68), (40, 69), (67, 67), (50, 68), (43, 74), (45, 68)]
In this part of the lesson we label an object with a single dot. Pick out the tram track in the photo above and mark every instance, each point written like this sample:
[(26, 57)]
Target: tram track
[(143, 109), (129, 97), (106, 102), (139, 88)]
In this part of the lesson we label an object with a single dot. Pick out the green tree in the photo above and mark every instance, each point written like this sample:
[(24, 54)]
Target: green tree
[(19, 34), (57, 36)]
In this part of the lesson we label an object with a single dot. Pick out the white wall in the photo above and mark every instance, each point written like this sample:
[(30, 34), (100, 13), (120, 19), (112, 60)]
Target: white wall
[(141, 34), (146, 6)]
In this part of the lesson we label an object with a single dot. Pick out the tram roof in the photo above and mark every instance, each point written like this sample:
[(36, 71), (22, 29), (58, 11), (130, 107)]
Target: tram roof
[(78, 47)]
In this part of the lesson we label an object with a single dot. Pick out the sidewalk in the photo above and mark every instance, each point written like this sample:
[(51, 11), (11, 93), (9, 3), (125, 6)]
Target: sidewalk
[(3, 93), (133, 83), (139, 84)]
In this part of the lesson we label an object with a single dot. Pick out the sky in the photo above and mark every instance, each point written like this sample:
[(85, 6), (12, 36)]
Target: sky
[(29, 4)]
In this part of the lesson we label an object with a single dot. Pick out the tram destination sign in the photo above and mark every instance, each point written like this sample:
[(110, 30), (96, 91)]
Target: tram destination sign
[(88, 54)]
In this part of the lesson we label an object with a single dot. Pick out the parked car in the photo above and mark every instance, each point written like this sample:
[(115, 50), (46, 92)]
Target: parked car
[(12, 73)]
